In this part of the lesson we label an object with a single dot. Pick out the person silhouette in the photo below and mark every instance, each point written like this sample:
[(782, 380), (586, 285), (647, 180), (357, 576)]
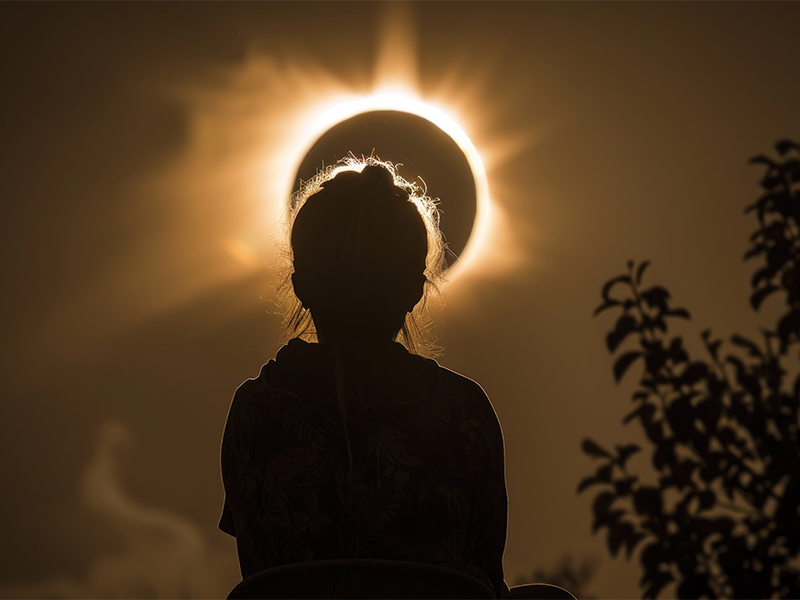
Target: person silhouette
[(357, 447)]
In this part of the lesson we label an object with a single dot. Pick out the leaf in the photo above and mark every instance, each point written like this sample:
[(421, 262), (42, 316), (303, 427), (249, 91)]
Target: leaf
[(625, 452), (664, 455), (625, 325), (625, 486), (762, 159), (678, 312), (640, 271), (701, 439), (771, 231), (713, 411), (694, 372), (713, 348), (759, 295), (783, 146), (677, 352), (657, 583), (707, 499), (724, 525), (764, 273), (604, 473), (634, 413), (602, 504), (647, 501), (615, 515), (791, 278), (624, 362), (659, 323), (695, 586), (680, 416), (788, 325), (605, 306), (632, 541), (754, 251), (646, 414), (603, 516), (656, 297), (743, 342), (616, 536), (587, 482), (655, 359), (682, 473), (770, 181), (592, 448), (793, 166), (611, 283), (622, 533)]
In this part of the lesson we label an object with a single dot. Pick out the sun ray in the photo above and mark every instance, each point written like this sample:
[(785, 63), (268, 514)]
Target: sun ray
[(247, 127), (396, 87), (251, 126), (396, 57)]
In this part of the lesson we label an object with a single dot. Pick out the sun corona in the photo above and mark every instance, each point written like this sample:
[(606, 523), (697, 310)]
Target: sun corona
[(346, 108)]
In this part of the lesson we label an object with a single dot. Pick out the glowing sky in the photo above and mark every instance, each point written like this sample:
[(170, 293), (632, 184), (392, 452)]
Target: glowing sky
[(148, 152)]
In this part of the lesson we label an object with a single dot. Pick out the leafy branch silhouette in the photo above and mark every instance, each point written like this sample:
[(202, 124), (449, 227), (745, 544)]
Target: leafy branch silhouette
[(721, 519)]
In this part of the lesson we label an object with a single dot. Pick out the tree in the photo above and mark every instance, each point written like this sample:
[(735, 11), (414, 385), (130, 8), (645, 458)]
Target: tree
[(721, 518)]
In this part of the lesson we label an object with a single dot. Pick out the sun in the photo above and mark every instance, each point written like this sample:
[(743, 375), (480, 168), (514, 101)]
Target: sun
[(343, 109), (251, 134), (249, 124)]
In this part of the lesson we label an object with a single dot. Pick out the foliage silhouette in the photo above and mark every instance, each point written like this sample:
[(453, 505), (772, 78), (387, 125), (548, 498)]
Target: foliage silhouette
[(567, 573), (721, 519)]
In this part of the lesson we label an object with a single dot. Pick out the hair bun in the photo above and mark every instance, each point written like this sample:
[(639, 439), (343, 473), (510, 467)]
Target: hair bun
[(373, 174), (360, 238), (372, 182)]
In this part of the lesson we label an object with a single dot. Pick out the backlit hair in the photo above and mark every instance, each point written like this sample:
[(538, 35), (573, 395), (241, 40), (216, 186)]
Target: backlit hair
[(299, 322)]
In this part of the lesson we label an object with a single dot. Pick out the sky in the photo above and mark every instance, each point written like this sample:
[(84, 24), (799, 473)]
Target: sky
[(148, 155)]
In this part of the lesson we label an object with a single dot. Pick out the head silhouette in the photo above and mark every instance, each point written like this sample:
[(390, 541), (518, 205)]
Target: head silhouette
[(361, 252)]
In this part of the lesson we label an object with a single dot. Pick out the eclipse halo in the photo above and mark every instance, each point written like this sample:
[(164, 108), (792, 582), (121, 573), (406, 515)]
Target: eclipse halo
[(336, 118)]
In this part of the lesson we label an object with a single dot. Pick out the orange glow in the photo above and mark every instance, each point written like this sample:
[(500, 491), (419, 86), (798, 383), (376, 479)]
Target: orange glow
[(490, 250), (241, 252), (251, 125)]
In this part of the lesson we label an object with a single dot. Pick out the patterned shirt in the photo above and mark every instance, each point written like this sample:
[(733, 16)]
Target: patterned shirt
[(386, 456)]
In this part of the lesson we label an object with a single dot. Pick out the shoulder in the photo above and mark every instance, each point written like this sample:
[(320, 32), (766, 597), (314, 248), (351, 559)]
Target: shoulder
[(258, 411), (478, 423), (290, 358), (454, 379), (255, 386), (254, 395), (472, 394), (465, 386)]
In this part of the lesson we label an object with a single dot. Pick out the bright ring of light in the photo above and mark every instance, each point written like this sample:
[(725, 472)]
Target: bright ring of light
[(347, 109)]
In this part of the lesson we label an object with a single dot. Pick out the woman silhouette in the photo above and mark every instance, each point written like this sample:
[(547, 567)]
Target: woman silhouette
[(354, 447)]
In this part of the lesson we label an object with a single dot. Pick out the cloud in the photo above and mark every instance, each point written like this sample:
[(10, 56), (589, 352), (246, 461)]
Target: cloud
[(163, 554)]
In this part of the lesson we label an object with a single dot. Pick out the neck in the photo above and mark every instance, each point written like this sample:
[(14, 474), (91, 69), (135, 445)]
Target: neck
[(350, 342), (337, 331)]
